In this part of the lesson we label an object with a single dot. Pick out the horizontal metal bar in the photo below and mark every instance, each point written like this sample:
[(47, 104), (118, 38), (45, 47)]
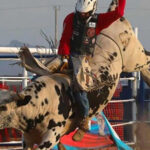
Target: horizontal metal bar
[(146, 100), (15, 77), (123, 124), (15, 50), (12, 142), (130, 143), (10, 80), (122, 101), (130, 78)]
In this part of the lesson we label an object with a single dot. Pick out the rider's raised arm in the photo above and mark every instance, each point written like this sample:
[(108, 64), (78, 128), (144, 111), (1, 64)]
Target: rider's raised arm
[(64, 45), (106, 19)]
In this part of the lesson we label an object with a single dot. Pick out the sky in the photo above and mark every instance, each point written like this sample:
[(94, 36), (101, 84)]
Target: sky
[(23, 20)]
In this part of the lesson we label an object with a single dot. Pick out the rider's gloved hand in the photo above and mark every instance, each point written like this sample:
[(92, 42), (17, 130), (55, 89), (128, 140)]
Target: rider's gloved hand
[(65, 59)]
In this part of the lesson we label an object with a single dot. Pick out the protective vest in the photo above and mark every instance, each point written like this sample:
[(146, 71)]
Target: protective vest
[(84, 36)]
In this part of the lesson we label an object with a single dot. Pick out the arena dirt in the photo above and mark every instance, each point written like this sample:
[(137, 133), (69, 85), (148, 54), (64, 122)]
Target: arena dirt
[(143, 136)]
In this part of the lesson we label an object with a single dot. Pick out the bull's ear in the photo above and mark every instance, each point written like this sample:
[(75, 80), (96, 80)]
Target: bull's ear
[(9, 96)]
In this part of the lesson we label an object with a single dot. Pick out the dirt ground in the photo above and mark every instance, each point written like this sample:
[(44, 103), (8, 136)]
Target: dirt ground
[(10, 148), (143, 136), (106, 148), (109, 148)]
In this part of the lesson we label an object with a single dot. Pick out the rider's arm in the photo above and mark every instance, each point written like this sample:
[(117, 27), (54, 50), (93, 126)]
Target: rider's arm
[(64, 45), (106, 19)]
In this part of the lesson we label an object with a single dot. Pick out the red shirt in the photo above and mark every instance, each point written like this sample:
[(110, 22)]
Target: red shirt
[(104, 20)]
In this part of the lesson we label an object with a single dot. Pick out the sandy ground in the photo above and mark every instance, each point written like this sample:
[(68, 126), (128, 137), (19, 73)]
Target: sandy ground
[(143, 136), (20, 148)]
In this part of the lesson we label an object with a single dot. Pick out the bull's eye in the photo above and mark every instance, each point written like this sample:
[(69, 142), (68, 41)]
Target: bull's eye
[(3, 108)]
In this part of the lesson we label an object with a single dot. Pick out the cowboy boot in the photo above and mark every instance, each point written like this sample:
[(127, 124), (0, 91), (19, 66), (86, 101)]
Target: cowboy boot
[(83, 128)]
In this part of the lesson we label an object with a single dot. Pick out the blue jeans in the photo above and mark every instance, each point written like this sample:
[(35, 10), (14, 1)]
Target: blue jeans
[(82, 102), (80, 97)]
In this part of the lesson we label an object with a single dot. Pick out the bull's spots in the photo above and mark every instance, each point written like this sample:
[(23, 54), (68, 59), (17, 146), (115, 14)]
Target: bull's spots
[(28, 90), (57, 137), (115, 54), (3, 108), (46, 101), (63, 108), (63, 123), (64, 101), (111, 57), (123, 67), (25, 101), (45, 145), (32, 104), (42, 103), (43, 84), (124, 49), (100, 99), (103, 77), (57, 90), (122, 19), (53, 124), (35, 92), (106, 73), (31, 123), (140, 67), (36, 97), (38, 87)]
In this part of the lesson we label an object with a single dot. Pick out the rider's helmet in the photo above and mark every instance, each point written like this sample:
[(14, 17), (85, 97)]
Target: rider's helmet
[(86, 6)]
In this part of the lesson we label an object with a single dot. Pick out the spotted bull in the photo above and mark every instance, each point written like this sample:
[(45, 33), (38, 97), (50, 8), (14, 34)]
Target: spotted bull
[(45, 110)]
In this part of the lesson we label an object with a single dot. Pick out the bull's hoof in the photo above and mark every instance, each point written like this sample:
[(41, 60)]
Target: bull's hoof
[(61, 146), (78, 136)]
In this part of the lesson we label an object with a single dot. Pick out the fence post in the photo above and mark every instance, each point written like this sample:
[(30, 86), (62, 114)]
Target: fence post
[(25, 80), (134, 106)]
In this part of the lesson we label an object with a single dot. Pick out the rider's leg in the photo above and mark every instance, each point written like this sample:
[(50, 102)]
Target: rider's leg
[(83, 121), (82, 100)]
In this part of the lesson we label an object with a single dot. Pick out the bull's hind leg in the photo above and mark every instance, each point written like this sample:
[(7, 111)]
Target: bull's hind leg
[(146, 71), (146, 76)]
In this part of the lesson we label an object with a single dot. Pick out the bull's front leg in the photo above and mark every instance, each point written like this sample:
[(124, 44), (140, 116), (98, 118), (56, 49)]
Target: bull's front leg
[(50, 139)]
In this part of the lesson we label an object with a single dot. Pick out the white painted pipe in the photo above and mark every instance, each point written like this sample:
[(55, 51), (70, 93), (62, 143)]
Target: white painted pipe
[(15, 50)]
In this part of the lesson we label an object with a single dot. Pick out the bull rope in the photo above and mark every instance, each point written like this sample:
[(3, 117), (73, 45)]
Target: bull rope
[(115, 43)]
